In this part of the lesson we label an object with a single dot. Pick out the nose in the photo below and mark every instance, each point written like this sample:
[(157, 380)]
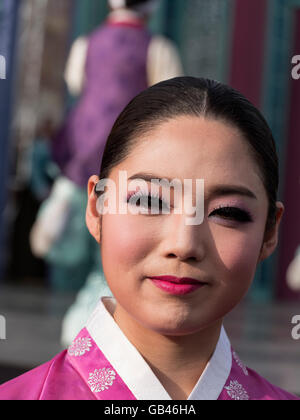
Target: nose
[(185, 242)]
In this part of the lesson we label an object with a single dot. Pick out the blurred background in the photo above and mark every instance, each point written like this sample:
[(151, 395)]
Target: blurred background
[(248, 44)]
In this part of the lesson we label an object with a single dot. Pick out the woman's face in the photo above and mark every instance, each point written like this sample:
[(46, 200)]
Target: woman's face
[(222, 252)]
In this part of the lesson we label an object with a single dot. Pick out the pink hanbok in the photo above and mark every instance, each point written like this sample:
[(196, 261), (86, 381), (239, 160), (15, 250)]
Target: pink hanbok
[(102, 364)]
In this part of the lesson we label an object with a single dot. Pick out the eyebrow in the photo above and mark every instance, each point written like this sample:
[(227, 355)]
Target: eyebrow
[(222, 190)]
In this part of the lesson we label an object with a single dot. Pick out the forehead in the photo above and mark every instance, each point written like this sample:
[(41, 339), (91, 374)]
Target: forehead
[(196, 148)]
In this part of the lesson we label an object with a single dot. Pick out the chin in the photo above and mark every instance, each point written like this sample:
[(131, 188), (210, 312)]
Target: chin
[(178, 332), (171, 328)]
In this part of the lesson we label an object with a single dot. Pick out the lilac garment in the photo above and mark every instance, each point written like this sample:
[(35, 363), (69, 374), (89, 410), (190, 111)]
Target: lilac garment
[(116, 72), (117, 371)]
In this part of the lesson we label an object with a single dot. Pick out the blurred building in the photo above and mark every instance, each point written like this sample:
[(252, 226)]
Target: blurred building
[(248, 44)]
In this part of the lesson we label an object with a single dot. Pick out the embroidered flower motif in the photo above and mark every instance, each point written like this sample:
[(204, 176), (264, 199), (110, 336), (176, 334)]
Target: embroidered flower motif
[(101, 379), (80, 347), (240, 364), (236, 391)]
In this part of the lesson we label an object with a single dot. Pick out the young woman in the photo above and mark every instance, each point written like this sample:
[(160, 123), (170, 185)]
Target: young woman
[(161, 335)]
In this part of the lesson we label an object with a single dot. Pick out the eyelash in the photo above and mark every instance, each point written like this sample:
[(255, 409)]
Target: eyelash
[(228, 212), (233, 213), (140, 195)]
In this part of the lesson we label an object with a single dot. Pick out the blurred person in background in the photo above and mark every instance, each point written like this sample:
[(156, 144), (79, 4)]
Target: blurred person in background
[(43, 170), (106, 70)]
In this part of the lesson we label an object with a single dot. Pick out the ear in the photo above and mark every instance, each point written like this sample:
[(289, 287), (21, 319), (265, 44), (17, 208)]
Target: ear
[(93, 218), (271, 237)]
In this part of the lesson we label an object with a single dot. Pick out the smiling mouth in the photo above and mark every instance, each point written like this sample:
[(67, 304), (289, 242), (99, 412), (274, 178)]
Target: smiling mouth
[(178, 280), (177, 286)]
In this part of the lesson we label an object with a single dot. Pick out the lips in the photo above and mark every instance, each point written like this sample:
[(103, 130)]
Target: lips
[(177, 286), (177, 280)]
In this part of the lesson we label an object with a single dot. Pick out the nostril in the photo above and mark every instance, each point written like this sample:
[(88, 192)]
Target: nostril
[(172, 256)]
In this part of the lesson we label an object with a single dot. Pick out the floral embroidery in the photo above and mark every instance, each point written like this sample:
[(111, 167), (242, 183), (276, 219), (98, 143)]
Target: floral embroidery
[(101, 379), (236, 391), (240, 364), (80, 347)]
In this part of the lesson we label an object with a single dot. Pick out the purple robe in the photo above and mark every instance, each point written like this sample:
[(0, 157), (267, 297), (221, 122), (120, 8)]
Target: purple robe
[(102, 364), (116, 72)]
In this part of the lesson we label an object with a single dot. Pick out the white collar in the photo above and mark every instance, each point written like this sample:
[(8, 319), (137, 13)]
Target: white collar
[(135, 371)]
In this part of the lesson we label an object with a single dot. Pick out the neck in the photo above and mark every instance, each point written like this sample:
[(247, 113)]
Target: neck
[(177, 361), (125, 15)]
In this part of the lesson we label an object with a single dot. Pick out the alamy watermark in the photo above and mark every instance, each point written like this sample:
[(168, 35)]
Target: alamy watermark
[(2, 328), (137, 201), (2, 67), (296, 69), (296, 329)]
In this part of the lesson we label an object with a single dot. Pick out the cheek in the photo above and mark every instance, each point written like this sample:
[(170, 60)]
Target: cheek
[(125, 239), (237, 258), (239, 252)]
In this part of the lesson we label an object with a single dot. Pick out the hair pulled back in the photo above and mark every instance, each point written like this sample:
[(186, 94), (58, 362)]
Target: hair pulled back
[(198, 97)]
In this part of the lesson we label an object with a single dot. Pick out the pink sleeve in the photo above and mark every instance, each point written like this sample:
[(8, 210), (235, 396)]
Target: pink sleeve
[(26, 387), (55, 380)]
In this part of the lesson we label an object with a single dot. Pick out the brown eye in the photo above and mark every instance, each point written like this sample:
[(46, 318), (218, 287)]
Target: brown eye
[(233, 213)]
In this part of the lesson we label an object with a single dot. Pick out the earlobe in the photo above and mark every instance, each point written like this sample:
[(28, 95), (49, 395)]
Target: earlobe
[(271, 237), (93, 218)]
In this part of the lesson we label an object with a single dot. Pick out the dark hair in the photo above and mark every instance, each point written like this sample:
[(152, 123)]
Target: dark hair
[(132, 3), (192, 96)]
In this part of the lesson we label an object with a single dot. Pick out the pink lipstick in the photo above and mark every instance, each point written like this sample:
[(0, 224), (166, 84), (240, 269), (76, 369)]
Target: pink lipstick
[(177, 286)]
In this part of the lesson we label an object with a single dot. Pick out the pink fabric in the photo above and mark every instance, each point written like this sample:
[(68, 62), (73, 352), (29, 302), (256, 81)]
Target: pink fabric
[(79, 373), (83, 373), (245, 384)]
